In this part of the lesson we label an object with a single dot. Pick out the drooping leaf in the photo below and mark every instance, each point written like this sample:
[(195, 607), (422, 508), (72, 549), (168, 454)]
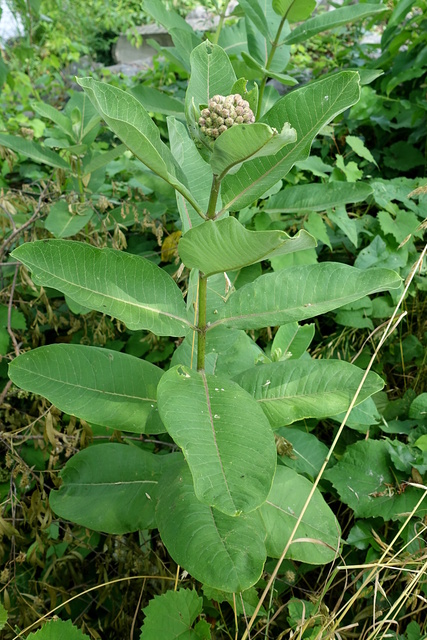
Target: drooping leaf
[(125, 286), (126, 116), (225, 438), (63, 224), (98, 385), (301, 292), (110, 488), (102, 159), (158, 101), (331, 19), (226, 245), (317, 539), (198, 173), (292, 390), (317, 197), (245, 142), (59, 118), (294, 10), (55, 629), (224, 552), (307, 110), (259, 39), (255, 13), (171, 616), (33, 150), (365, 482)]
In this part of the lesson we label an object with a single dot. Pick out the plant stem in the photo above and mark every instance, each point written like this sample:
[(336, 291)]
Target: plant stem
[(213, 198), (274, 46), (217, 33), (203, 284), (201, 322)]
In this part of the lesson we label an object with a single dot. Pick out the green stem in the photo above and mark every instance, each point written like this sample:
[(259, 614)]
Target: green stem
[(80, 181), (213, 199), (203, 284), (217, 33), (201, 322), (274, 46)]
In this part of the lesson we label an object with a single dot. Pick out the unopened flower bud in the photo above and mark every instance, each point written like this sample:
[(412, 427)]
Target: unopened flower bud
[(224, 112)]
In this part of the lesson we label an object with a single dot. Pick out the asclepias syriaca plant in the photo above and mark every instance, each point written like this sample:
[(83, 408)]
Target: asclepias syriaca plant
[(220, 503)]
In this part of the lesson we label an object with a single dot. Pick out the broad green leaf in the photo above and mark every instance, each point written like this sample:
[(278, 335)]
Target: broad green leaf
[(125, 286), (331, 19), (102, 159), (232, 351), (158, 102), (63, 122), (126, 116), (171, 616), (98, 385), (294, 10), (211, 74), (317, 197), (224, 552), (301, 292), (226, 245), (291, 341), (245, 142), (225, 438), (110, 488), (55, 629), (307, 109), (288, 391), (185, 42), (33, 150), (198, 173), (317, 539), (63, 224), (366, 482), (255, 13)]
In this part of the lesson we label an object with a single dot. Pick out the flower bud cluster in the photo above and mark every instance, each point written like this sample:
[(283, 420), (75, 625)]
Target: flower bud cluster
[(224, 112)]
